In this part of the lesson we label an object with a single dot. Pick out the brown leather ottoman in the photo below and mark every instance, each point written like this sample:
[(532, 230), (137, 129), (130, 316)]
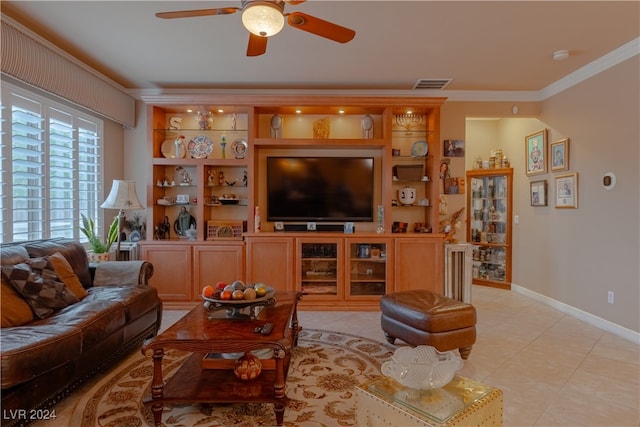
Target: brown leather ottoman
[(424, 318)]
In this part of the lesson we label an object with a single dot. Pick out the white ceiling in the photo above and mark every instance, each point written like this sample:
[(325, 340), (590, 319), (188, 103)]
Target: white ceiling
[(482, 46)]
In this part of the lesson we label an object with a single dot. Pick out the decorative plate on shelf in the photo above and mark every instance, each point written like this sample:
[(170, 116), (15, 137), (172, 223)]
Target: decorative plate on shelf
[(200, 147), (239, 148), (419, 149), (168, 149)]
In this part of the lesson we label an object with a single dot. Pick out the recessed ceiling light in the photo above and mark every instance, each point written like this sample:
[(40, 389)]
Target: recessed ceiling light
[(298, 111), (189, 110), (560, 55), (220, 110), (340, 111)]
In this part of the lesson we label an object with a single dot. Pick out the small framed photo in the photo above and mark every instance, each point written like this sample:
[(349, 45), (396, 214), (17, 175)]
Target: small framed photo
[(454, 185), (349, 227), (539, 193), (453, 148), (535, 147), (567, 191), (560, 155)]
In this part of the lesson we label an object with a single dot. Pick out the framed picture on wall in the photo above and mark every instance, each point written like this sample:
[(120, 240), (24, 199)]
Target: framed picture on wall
[(560, 155), (535, 147), (567, 191), (453, 148), (539, 193), (454, 185)]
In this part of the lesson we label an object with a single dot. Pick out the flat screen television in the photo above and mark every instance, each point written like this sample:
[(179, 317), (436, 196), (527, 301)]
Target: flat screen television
[(314, 189)]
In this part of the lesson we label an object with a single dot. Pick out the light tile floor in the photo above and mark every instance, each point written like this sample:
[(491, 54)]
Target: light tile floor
[(554, 370)]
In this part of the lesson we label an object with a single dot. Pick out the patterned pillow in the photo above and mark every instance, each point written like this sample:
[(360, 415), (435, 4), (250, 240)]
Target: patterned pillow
[(39, 285)]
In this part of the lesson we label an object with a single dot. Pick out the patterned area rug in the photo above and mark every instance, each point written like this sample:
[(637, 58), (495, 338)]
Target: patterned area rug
[(325, 368)]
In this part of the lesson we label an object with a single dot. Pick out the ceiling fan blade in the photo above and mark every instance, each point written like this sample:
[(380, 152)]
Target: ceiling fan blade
[(200, 12), (257, 45), (320, 27)]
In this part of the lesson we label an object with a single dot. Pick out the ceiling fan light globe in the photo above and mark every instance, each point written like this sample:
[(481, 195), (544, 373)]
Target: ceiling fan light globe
[(263, 19)]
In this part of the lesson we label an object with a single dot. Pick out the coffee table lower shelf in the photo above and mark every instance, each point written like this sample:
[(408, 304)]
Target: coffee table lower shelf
[(192, 384)]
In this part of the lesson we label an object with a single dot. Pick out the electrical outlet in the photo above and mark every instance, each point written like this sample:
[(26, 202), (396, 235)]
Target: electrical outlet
[(610, 297)]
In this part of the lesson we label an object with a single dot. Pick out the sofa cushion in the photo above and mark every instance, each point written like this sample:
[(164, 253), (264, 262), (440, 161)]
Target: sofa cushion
[(96, 319), (37, 282), (67, 275), (14, 310), (137, 300), (72, 250), (29, 351)]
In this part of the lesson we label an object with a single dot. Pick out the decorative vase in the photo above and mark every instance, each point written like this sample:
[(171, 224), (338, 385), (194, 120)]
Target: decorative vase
[(380, 226), (247, 367)]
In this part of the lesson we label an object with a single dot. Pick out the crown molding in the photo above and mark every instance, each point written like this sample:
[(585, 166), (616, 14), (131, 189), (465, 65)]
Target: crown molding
[(149, 95), (615, 57)]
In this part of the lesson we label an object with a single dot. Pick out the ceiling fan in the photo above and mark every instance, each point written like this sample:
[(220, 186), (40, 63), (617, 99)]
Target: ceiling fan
[(265, 18)]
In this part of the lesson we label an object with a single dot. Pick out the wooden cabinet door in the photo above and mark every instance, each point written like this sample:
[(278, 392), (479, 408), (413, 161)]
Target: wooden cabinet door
[(270, 260), (171, 270), (217, 263), (418, 264)]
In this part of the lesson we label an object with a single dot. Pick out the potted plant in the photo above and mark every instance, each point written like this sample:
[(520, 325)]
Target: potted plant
[(99, 249)]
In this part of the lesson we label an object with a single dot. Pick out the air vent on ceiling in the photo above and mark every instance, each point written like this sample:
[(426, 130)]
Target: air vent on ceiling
[(433, 84)]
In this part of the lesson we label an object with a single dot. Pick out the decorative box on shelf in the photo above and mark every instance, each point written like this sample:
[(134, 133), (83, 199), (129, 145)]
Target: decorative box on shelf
[(220, 230)]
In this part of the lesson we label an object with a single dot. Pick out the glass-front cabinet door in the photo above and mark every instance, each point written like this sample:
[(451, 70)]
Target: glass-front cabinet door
[(368, 268), (489, 209), (319, 270)]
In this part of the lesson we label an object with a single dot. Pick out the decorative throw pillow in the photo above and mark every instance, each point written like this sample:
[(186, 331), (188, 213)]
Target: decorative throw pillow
[(65, 272), (14, 310), (39, 286)]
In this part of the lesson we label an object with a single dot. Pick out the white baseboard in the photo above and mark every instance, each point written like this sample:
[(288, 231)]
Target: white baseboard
[(596, 321)]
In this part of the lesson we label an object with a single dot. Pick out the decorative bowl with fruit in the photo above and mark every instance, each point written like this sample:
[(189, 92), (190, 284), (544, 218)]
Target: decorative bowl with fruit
[(237, 296)]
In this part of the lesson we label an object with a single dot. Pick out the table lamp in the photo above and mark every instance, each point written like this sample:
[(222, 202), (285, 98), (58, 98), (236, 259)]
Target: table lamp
[(122, 196)]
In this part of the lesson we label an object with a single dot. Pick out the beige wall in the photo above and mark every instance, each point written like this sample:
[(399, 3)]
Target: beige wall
[(595, 248), (573, 256)]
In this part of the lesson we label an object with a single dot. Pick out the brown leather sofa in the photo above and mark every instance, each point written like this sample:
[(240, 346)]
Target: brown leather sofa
[(44, 359)]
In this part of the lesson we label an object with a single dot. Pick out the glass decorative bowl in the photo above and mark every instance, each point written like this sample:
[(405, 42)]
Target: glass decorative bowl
[(422, 367)]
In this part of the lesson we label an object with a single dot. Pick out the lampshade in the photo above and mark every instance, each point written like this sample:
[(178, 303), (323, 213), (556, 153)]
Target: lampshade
[(122, 196), (263, 18)]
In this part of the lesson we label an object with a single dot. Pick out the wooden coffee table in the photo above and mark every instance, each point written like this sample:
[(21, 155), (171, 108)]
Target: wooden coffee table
[(204, 332)]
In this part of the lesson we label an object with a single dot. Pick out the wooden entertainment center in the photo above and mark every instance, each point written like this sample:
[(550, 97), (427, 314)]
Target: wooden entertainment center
[(208, 158)]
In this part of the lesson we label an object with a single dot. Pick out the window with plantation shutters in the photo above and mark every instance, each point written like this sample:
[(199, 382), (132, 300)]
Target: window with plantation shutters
[(51, 167)]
